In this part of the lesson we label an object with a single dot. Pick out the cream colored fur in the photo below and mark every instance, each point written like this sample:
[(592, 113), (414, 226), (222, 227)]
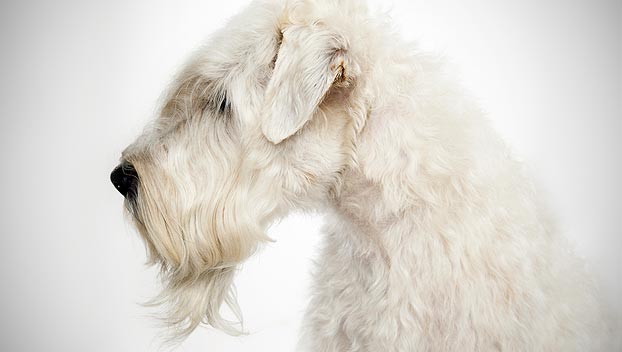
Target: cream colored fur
[(436, 239)]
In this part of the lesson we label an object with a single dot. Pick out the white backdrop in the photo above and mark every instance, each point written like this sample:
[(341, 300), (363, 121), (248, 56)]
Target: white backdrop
[(81, 78)]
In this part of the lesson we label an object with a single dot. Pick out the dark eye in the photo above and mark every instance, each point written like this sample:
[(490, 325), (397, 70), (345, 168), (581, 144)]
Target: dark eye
[(224, 106)]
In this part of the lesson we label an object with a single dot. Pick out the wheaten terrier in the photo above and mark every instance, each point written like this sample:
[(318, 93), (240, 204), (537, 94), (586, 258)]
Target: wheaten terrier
[(436, 240)]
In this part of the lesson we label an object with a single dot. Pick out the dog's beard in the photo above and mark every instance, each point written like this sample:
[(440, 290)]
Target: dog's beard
[(190, 301), (197, 252), (192, 293)]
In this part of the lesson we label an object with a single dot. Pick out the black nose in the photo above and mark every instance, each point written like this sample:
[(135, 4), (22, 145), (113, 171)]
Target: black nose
[(125, 179)]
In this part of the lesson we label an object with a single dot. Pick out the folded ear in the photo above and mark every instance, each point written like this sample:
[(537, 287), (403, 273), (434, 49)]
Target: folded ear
[(309, 61)]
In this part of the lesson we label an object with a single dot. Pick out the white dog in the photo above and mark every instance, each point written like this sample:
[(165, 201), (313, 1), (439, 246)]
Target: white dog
[(436, 240)]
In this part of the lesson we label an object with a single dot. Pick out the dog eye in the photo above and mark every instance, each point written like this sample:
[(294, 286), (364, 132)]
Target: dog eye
[(224, 106)]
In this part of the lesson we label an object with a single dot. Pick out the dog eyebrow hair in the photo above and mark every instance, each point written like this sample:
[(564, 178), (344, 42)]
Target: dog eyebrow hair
[(196, 93)]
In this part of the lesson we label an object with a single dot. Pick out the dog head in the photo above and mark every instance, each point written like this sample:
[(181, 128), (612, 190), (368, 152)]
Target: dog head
[(260, 121)]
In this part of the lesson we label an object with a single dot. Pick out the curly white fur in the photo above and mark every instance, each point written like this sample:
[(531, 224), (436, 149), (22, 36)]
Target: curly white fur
[(436, 240)]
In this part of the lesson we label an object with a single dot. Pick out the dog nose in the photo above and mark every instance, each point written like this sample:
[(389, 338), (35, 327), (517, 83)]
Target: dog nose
[(125, 179)]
